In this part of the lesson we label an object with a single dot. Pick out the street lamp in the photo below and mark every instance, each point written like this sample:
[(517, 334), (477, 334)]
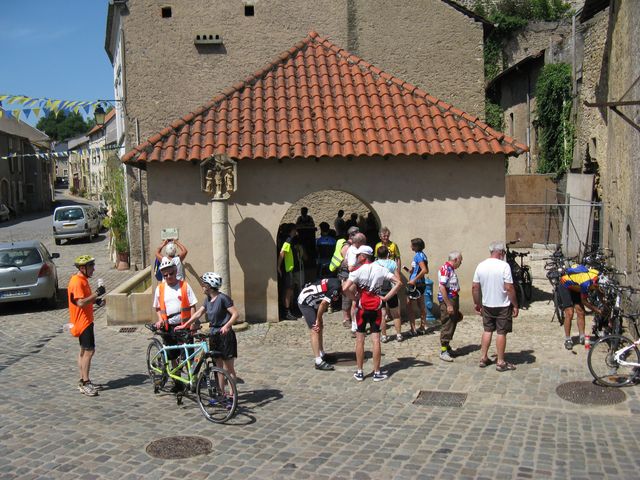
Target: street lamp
[(99, 115)]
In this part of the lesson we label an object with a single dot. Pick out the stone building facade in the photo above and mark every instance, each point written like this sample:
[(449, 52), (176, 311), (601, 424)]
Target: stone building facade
[(162, 71)]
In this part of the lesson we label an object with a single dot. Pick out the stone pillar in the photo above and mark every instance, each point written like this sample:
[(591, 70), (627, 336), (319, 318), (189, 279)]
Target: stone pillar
[(220, 238)]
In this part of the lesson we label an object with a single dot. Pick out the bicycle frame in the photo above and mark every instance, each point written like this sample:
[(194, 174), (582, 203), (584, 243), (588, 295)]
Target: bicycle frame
[(200, 351), (618, 355)]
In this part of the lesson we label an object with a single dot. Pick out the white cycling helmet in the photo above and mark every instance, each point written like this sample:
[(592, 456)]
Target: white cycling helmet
[(166, 263), (171, 249), (212, 279)]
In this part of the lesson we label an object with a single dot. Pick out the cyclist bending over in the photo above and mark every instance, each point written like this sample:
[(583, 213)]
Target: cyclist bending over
[(574, 288), (221, 315)]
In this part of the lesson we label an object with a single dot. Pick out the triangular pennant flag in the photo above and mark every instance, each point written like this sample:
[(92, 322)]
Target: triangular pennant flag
[(26, 111), (3, 97), (21, 100), (36, 112), (87, 108), (16, 114)]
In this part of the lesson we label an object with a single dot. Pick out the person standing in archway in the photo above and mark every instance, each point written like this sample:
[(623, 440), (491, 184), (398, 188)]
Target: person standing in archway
[(285, 272), (340, 225)]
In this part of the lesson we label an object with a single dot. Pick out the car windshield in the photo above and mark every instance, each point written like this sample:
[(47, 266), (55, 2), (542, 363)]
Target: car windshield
[(69, 214), (19, 257)]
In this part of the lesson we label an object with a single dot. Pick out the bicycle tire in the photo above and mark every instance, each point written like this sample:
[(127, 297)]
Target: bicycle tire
[(217, 404), (156, 364), (558, 310), (520, 295), (604, 368), (527, 283)]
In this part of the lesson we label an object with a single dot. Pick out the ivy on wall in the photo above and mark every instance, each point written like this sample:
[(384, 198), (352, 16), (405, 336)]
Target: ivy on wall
[(115, 196), (553, 118)]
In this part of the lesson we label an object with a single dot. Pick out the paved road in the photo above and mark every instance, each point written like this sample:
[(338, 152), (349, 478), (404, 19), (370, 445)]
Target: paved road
[(295, 422)]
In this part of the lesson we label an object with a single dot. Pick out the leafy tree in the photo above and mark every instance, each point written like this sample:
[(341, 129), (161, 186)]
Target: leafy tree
[(60, 126)]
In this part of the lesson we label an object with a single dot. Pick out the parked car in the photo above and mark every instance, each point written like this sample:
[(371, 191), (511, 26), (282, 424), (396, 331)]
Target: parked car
[(75, 221), (5, 213), (27, 272)]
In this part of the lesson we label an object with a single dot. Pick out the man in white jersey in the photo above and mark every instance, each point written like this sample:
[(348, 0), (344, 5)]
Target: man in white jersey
[(495, 299), (314, 301)]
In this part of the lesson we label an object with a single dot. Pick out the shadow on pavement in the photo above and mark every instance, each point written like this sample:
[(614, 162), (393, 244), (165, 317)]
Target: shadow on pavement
[(345, 358), (466, 350), (403, 363), (521, 357), (128, 381)]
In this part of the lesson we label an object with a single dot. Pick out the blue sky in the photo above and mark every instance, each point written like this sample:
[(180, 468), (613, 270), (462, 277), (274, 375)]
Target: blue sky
[(54, 49)]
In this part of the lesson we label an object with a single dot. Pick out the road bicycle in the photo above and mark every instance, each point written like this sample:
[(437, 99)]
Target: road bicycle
[(195, 370), (521, 274), (614, 360)]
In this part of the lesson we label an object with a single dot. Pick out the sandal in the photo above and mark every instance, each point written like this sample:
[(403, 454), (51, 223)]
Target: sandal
[(399, 337), (484, 363), (503, 367), (384, 338)]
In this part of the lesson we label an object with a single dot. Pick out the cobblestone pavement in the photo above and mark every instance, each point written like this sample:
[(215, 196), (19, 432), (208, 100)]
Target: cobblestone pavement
[(296, 422)]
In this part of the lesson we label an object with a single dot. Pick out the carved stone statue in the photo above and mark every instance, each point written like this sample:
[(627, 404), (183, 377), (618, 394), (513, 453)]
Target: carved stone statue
[(218, 177), (228, 180), (209, 181), (218, 182)]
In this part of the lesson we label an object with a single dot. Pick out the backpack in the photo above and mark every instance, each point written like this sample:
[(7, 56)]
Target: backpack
[(156, 270), (369, 301)]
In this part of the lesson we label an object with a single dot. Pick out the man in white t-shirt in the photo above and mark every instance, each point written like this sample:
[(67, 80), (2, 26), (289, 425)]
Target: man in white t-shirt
[(495, 299), (364, 286)]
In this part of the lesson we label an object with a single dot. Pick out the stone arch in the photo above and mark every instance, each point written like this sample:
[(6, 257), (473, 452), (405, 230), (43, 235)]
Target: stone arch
[(323, 206)]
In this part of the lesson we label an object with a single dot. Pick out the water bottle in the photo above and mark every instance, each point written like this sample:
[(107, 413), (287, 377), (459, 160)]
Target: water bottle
[(100, 283), (587, 342)]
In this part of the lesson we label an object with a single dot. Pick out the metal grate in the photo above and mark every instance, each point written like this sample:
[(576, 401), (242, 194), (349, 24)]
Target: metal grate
[(587, 393), (127, 330), (179, 447), (433, 398)]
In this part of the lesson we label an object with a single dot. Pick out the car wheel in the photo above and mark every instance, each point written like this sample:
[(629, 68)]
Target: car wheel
[(52, 302), (58, 241)]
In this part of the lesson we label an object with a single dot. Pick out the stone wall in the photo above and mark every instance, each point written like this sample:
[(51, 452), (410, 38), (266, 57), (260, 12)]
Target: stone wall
[(538, 36), (621, 178)]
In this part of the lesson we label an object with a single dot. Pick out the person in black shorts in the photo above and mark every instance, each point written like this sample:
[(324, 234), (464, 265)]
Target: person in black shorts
[(314, 301), (221, 315)]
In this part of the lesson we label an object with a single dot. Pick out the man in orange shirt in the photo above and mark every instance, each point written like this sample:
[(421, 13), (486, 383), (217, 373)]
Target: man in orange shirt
[(81, 301)]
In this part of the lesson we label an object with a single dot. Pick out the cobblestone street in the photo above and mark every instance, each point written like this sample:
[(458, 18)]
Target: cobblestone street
[(296, 422)]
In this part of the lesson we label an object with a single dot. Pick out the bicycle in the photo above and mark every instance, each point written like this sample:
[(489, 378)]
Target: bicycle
[(614, 360), (521, 274), (555, 266), (215, 389)]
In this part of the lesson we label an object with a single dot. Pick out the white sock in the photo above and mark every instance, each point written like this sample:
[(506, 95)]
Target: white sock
[(318, 360)]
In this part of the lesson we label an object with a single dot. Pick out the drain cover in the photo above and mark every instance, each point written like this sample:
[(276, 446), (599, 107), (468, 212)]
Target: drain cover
[(170, 448), (587, 393), (127, 330), (432, 398)]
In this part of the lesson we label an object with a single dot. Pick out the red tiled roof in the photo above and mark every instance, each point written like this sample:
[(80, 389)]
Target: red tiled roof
[(317, 100)]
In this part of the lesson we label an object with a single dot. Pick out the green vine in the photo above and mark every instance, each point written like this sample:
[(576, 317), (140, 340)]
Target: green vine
[(114, 195), (494, 115), (553, 117)]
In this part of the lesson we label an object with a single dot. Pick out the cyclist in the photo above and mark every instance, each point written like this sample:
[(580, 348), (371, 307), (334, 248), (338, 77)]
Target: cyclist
[(175, 303), (81, 301), (221, 315), (314, 300), (573, 290)]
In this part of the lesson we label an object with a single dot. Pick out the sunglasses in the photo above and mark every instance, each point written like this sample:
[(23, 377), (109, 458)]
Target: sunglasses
[(168, 274)]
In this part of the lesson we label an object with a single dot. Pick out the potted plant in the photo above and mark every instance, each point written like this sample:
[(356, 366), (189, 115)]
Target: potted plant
[(118, 225)]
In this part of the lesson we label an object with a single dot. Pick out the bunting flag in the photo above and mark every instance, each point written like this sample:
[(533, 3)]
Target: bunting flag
[(40, 106), (66, 153)]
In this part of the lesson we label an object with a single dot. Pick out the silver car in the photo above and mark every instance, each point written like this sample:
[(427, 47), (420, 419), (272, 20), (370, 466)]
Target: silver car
[(27, 272), (75, 221)]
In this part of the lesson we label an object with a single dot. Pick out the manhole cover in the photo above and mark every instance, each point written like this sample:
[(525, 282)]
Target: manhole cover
[(170, 448), (432, 398), (127, 330), (587, 393)]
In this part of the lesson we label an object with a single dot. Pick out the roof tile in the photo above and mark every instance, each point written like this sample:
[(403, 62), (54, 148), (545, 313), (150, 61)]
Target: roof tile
[(318, 100)]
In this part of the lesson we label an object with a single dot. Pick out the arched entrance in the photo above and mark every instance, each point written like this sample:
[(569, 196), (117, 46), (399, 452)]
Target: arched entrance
[(322, 207)]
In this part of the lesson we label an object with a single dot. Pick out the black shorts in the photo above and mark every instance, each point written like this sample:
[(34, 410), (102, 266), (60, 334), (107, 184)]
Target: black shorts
[(568, 298), (170, 341), (373, 318), (223, 346), (87, 339), (287, 279), (392, 302), (309, 314)]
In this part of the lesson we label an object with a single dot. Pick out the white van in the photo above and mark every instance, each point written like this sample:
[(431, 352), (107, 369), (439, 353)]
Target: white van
[(75, 221)]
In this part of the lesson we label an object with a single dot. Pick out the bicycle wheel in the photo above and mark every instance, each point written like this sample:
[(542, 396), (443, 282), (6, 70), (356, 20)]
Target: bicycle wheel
[(527, 283), (520, 294), (558, 310), (606, 370), (156, 365), (217, 393)]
